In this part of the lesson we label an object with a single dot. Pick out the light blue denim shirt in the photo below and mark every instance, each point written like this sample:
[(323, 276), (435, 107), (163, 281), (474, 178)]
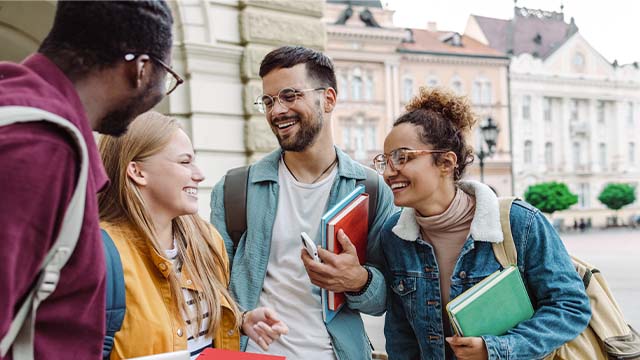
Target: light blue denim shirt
[(413, 326), (249, 263)]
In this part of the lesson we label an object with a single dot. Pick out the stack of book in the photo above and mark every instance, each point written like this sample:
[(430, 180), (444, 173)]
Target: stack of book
[(351, 214)]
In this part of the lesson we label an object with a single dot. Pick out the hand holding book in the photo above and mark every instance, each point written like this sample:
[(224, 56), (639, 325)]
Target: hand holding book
[(337, 272)]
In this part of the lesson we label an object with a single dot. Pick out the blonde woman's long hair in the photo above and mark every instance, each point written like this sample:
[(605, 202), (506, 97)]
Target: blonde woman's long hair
[(122, 202)]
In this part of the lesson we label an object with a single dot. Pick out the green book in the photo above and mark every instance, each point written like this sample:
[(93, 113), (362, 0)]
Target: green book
[(492, 306)]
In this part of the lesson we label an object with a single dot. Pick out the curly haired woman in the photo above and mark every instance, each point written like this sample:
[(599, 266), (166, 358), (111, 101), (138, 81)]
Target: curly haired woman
[(440, 244)]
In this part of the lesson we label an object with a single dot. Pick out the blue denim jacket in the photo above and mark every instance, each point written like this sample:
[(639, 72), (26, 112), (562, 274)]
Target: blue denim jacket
[(413, 327), (249, 263)]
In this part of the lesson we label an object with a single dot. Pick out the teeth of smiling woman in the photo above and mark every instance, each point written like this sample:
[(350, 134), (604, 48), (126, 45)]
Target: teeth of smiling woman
[(398, 185), (192, 191)]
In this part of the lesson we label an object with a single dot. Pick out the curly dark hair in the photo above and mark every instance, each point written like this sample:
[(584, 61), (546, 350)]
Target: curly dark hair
[(91, 35), (443, 119), (319, 66)]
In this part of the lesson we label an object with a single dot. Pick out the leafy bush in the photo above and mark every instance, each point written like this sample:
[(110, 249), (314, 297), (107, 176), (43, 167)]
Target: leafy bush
[(615, 196), (550, 197)]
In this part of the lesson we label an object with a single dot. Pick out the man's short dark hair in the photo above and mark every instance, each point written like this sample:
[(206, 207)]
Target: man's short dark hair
[(88, 35), (319, 66)]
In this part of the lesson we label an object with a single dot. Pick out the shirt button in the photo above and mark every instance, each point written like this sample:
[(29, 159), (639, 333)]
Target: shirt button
[(401, 286), (179, 332), (427, 269), (162, 266), (230, 333), (189, 282), (462, 275)]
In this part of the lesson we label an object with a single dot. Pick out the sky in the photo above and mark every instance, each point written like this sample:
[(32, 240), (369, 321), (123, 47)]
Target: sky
[(607, 25)]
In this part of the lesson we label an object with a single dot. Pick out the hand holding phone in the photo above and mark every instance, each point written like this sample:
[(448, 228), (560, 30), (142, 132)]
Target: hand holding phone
[(310, 246)]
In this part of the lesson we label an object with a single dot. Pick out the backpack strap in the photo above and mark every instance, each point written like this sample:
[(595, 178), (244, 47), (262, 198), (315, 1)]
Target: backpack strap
[(371, 187), (116, 304), (20, 335), (505, 251), (235, 200), (235, 203)]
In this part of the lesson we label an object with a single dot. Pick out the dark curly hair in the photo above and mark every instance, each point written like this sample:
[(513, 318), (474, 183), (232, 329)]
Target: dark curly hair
[(92, 35), (444, 119)]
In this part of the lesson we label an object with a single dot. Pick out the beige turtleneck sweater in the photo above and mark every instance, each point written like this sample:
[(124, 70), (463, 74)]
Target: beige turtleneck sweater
[(447, 234)]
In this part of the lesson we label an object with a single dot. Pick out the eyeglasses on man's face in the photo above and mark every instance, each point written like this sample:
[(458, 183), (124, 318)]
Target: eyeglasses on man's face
[(398, 158), (171, 81), (287, 98)]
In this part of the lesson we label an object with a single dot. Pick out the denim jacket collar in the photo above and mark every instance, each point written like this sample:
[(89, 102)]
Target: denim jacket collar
[(485, 225), (267, 170)]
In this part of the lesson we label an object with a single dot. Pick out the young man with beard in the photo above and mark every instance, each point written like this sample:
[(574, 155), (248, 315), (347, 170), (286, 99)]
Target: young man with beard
[(101, 65), (287, 193)]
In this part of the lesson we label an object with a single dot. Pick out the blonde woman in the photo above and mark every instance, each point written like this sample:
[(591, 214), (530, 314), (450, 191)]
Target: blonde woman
[(174, 263)]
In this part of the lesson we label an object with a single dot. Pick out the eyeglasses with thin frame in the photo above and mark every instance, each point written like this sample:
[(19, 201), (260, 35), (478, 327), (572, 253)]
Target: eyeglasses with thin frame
[(398, 158), (287, 98), (172, 79)]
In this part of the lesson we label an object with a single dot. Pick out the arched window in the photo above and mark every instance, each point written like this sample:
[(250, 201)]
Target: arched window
[(456, 85), (528, 152)]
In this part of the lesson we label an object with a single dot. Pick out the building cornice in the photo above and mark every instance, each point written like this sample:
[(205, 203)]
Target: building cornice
[(561, 80), (373, 34), (453, 59)]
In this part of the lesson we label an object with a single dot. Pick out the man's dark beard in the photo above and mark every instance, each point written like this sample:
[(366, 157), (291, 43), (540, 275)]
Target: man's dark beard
[(306, 136), (116, 122)]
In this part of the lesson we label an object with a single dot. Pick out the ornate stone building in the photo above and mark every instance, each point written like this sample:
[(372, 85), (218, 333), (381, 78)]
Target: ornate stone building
[(575, 115), (380, 66), (218, 46)]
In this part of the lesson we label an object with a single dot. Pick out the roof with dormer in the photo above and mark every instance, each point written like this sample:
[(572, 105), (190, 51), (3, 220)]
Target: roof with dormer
[(446, 43), (532, 31)]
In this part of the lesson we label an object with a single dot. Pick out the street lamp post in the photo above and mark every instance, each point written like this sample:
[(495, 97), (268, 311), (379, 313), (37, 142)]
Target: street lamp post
[(489, 132)]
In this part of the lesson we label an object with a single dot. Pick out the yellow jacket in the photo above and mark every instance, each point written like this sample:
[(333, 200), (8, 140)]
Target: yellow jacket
[(151, 324)]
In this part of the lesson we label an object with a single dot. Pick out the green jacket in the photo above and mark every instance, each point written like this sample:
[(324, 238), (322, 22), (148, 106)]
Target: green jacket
[(249, 263)]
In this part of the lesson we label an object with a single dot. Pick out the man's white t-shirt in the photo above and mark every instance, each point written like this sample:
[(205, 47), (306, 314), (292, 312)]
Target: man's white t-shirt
[(287, 288)]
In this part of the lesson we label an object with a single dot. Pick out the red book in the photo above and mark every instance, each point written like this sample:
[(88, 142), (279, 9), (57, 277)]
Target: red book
[(218, 354), (354, 221)]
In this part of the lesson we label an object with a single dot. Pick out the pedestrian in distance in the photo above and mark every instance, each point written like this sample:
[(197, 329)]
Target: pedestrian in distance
[(440, 244), (102, 64), (175, 264), (288, 191)]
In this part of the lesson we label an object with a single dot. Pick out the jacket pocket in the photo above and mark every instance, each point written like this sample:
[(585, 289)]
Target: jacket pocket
[(404, 288)]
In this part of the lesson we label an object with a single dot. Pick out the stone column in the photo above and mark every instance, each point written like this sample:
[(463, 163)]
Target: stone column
[(265, 25)]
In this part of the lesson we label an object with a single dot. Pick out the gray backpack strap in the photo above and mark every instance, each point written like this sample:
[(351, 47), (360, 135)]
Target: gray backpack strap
[(235, 203), (371, 187), (20, 336), (505, 251)]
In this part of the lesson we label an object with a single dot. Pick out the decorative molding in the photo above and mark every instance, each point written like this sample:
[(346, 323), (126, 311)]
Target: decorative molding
[(313, 8), (378, 34), (455, 59), (282, 29), (555, 79)]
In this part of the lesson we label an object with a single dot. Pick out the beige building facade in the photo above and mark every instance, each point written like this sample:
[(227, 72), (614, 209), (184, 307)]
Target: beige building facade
[(218, 46), (575, 115)]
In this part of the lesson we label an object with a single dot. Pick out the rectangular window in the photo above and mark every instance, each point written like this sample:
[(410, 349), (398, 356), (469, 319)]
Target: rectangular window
[(346, 137), (603, 156), (630, 113), (526, 107), (601, 111), (546, 108), (632, 153), (584, 195), (371, 137), (407, 90), (574, 109)]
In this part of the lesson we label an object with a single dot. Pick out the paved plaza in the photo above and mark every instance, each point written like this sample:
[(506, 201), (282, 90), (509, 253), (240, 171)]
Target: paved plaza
[(616, 252)]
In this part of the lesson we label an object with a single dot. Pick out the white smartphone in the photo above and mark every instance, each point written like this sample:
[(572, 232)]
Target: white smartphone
[(310, 246)]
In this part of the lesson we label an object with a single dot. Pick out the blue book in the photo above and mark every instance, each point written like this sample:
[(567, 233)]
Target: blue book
[(328, 314)]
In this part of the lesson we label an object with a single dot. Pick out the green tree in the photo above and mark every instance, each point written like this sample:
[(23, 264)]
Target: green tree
[(550, 197), (615, 196)]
